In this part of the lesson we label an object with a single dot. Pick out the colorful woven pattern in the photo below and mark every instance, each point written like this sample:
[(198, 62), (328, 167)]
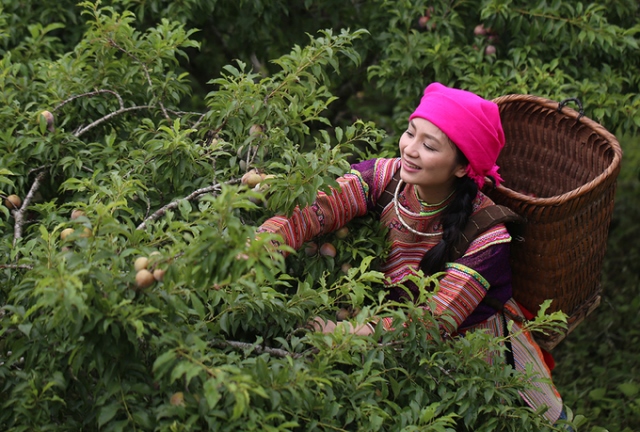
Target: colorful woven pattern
[(483, 269)]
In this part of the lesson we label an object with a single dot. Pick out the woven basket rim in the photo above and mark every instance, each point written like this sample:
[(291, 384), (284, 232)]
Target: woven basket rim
[(569, 112)]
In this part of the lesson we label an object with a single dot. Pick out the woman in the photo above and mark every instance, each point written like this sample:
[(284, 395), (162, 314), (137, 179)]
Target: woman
[(450, 146)]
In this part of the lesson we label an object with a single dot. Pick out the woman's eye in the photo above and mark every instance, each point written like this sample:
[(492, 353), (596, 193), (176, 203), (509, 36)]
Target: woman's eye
[(409, 133), (427, 146)]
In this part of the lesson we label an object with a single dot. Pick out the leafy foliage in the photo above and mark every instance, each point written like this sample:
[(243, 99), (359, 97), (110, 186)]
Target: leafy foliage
[(160, 108)]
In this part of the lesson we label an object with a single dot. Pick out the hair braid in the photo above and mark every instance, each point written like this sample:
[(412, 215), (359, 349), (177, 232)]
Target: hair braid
[(453, 219)]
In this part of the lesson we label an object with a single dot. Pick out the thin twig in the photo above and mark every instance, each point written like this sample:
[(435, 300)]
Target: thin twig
[(90, 94), (257, 65), (259, 349), (146, 72), (197, 123), (16, 266), (36, 169), (107, 117), (148, 207), (176, 203), (278, 352), (19, 214), (121, 109), (181, 113)]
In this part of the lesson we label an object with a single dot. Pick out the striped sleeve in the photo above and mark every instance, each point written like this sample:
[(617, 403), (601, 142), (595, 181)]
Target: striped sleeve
[(466, 282), (460, 292), (328, 213)]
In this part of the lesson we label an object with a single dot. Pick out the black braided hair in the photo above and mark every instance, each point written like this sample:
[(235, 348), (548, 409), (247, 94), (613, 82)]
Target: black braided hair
[(453, 219)]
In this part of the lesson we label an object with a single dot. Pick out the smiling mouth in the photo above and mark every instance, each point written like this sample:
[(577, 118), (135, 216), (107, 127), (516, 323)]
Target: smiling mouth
[(410, 165)]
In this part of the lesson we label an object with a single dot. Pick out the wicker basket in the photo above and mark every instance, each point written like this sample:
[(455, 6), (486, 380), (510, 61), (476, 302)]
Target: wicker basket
[(559, 170)]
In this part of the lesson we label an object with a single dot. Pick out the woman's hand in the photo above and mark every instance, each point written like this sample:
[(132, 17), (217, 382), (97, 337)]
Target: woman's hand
[(327, 326)]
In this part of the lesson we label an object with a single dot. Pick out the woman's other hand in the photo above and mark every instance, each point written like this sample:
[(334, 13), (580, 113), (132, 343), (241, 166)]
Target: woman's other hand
[(328, 326)]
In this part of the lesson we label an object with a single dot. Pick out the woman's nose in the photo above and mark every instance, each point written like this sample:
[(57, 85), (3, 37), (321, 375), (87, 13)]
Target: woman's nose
[(412, 146)]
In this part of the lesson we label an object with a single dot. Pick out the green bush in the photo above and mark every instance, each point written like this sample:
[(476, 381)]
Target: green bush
[(159, 110)]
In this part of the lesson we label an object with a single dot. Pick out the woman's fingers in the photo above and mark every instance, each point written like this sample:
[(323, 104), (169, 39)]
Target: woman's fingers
[(328, 326), (322, 325)]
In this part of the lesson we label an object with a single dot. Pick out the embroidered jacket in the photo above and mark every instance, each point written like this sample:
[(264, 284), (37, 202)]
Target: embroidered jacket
[(483, 268)]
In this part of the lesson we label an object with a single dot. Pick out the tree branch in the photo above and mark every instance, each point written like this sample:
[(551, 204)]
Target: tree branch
[(181, 113), (176, 203), (278, 352), (36, 169), (259, 349), (90, 94), (16, 266), (121, 109), (19, 214), (147, 75), (81, 131)]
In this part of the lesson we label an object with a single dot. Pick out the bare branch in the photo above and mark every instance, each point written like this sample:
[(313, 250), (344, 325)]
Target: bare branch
[(197, 123), (259, 67), (147, 75), (259, 349), (278, 352), (176, 203), (173, 204), (181, 113), (90, 94), (81, 131), (36, 169), (19, 214), (16, 266)]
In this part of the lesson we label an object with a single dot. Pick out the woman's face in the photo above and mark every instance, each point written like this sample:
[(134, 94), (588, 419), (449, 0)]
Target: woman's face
[(429, 160)]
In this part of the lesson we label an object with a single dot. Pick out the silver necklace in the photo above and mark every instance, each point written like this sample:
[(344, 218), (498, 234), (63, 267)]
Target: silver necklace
[(396, 207)]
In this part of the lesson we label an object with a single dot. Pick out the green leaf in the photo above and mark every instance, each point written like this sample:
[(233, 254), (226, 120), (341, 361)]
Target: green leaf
[(598, 394), (25, 328), (629, 389), (107, 413), (163, 360)]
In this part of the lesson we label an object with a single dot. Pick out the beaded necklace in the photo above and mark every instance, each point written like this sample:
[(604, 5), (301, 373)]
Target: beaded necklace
[(397, 206)]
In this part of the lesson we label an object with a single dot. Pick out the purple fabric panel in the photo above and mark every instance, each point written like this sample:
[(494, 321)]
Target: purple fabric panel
[(367, 172), (493, 264)]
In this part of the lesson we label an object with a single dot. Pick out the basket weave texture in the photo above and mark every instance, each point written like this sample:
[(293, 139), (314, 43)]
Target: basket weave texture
[(559, 170)]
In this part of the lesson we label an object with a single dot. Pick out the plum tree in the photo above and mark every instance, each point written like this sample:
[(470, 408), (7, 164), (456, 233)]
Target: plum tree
[(161, 108)]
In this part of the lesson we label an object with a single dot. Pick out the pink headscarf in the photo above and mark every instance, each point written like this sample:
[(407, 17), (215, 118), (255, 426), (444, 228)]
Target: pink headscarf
[(471, 122)]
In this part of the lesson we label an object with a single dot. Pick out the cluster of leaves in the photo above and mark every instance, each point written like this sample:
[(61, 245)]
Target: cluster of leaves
[(159, 108)]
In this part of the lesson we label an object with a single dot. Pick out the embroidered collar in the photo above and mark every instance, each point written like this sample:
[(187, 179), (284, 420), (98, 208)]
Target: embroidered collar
[(418, 207)]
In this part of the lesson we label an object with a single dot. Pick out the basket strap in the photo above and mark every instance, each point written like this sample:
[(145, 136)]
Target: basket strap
[(481, 221)]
